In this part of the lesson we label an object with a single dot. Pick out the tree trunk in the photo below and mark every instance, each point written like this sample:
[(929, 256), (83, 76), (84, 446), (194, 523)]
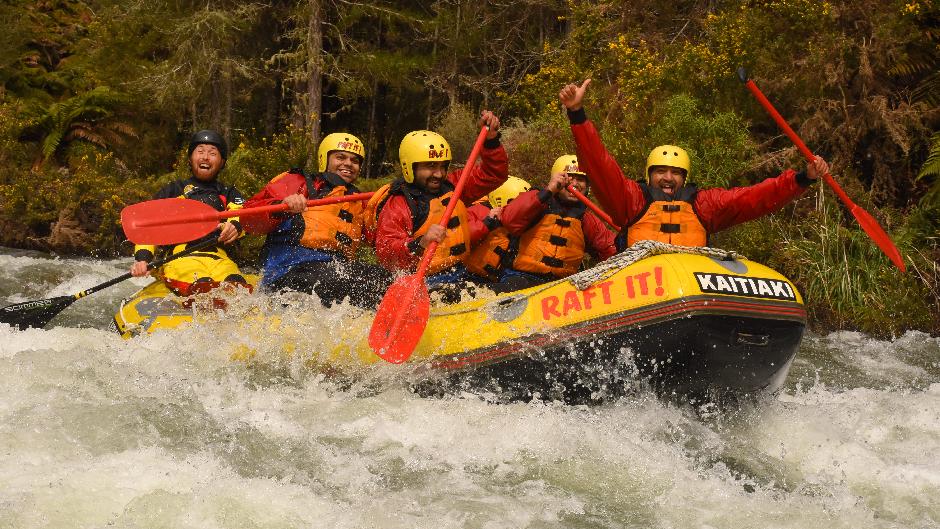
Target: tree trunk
[(226, 117), (314, 74), (370, 137), (452, 82), (272, 110), (437, 29)]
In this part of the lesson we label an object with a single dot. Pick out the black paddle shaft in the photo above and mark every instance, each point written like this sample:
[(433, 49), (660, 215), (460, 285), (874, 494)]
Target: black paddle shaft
[(38, 313)]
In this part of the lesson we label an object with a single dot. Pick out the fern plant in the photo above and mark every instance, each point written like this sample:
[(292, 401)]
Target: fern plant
[(931, 168), (88, 116)]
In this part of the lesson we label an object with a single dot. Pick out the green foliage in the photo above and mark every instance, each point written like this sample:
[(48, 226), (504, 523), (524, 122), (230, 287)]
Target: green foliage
[(254, 162), (857, 80), (849, 283), (931, 168), (846, 282), (718, 143), (88, 116), (71, 211), (14, 154), (535, 145), (459, 127)]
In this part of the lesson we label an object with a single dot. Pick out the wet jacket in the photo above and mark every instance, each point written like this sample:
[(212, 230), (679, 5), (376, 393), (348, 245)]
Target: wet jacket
[(396, 241), (554, 236), (320, 233), (717, 209), (490, 243), (456, 244), (220, 196)]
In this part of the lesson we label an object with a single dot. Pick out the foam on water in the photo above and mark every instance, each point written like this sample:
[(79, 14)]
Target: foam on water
[(167, 431)]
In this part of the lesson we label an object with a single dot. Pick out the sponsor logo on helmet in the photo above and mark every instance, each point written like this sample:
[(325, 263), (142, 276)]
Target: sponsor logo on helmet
[(350, 146), (442, 153)]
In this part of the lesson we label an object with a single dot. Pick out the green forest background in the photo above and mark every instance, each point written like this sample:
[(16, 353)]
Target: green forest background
[(99, 97)]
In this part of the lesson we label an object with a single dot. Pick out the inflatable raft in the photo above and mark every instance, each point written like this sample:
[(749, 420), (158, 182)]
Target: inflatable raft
[(691, 322)]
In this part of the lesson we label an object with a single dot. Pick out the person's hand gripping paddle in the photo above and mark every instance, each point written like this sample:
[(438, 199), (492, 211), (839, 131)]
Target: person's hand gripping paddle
[(601, 214), (865, 220), (38, 313), (172, 220), (403, 313)]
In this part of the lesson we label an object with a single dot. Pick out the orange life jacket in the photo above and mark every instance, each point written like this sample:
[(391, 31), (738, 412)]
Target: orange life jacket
[(333, 227), (554, 245), (372, 208), (491, 255), (668, 219), (455, 246)]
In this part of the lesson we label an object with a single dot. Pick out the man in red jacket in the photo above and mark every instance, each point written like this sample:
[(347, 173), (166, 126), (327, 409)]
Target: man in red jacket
[(313, 250), (666, 208), (409, 210), (554, 230)]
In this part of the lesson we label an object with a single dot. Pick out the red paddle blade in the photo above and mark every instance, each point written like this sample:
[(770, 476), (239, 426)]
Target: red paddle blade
[(401, 319), (877, 234), (168, 221)]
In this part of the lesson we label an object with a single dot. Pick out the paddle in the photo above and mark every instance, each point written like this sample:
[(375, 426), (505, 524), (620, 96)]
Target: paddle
[(594, 207), (865, 220), (173, 220), (403, 313), (38, 313)]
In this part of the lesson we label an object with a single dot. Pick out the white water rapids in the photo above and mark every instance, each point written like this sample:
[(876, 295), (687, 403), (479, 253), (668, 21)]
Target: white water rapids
[(164, 431)]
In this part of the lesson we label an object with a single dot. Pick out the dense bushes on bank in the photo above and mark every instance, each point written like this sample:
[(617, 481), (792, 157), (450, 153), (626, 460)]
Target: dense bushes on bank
[(97, 98)]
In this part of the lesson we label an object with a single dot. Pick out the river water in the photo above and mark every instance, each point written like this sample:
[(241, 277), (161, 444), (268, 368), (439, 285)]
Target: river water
[(165, 431)]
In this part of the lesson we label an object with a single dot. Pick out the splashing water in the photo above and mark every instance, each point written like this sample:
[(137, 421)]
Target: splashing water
[(167, 430)]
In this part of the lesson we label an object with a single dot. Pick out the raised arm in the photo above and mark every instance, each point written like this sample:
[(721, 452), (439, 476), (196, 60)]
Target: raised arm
[(620, 197)]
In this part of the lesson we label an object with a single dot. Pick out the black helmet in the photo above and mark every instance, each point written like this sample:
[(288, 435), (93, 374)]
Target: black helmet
[(209, 137)]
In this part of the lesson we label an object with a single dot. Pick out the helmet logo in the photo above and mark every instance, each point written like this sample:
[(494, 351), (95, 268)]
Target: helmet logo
[(348, 146), (442, 153), (572, 168)]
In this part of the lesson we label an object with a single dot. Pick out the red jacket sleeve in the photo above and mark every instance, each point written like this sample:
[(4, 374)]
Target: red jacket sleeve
[(487, 175), (598, 239), (523, 211), (478, 229), (719, 209), (393, 234), (619, 196), (274, 192)]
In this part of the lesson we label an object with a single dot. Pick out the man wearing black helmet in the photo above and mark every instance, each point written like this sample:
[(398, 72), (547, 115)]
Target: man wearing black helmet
[(206, 269)]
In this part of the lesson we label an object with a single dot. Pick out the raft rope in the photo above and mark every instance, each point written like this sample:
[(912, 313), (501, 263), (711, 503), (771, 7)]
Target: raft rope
[(642, 250)]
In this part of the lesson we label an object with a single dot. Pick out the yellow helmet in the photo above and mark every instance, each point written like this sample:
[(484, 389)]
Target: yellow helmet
[(338, 141), (421, 146), (670, 156), (511, 188), (567, 163)]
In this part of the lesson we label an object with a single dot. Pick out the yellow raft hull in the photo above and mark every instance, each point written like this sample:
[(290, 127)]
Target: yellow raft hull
[(690, 324)]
